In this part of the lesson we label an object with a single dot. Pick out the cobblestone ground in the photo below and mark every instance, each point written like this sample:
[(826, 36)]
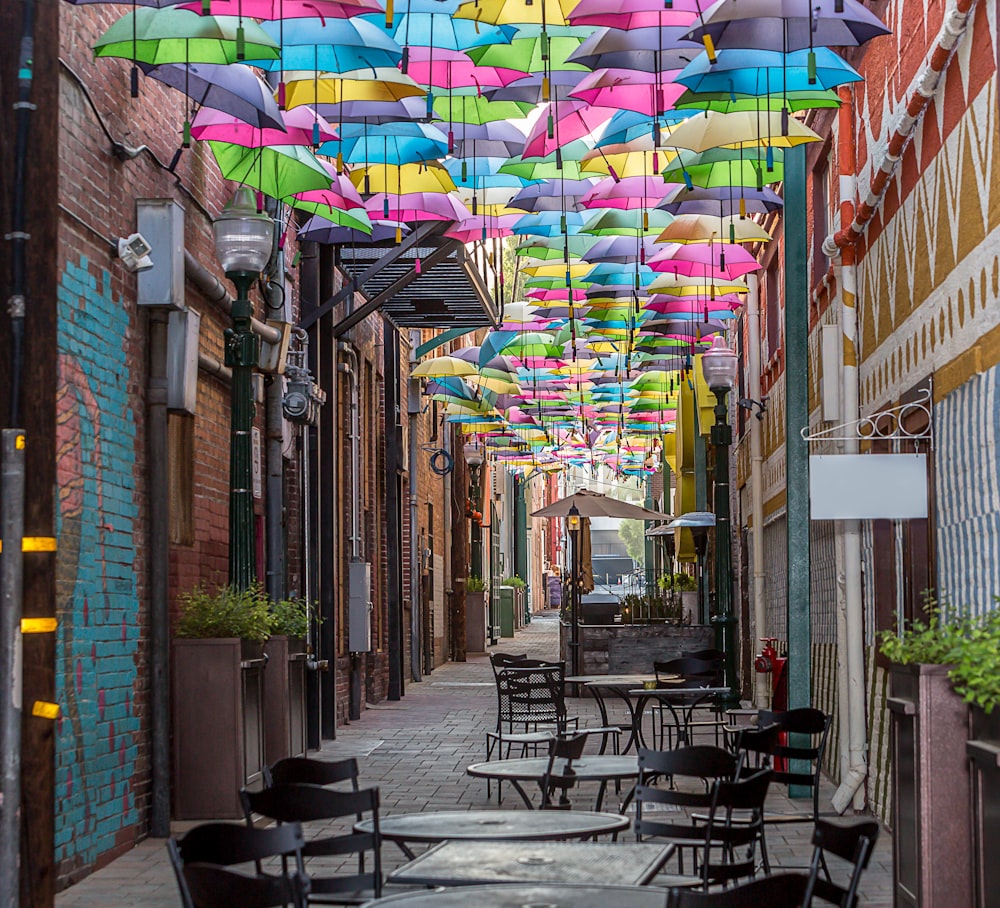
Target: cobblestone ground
[(416, 750)]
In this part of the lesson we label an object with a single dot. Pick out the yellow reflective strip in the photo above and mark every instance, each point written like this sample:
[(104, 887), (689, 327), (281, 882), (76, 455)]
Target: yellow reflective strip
[(38, 625), (36, 544), (45, 710), (19, 443)]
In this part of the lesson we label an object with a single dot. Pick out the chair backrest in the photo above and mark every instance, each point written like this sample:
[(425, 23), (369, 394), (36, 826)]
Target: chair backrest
[(702, 670), (708, 655), (802, 737), (701, 762), (307, 803), (731, 847), (755, 745), (561, 747), (213, 886), (853, 841), (532, 695), (506, 660), (306, 771), (226, 844), (783, 890)]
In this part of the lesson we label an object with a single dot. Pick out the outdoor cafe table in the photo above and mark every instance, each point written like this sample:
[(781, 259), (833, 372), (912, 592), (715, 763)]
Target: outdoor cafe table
[(515, 895), (670, 697), (620, 686), (493, 825), (601, 768), (584, 863)]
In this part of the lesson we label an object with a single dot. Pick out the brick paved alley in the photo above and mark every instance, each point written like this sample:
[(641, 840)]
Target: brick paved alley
[(416, 751)]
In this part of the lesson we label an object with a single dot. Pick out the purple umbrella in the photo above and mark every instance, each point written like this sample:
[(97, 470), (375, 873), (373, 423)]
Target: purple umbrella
[(234, 89), (319, 230), (649, 49), (374, 112), (531, 88), (621, 249), (552, 195), (721, 201)]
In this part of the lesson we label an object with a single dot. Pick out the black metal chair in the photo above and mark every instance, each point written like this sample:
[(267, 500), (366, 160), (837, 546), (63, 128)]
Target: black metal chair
[(212, 886), (562, 747), (853, 841), (675, 726), (690, 773), (306, 771), (730, 849), (784, 890), (310, 803), (222, 846)]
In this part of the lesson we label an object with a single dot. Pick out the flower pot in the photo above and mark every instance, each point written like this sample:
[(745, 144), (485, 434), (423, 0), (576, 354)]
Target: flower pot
[(983, 749), (218, 728), (475, 622), (285, 698), (932, 842)]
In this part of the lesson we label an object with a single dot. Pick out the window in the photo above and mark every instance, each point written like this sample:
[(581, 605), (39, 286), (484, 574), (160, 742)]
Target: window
[(772, 300), (822, 215)]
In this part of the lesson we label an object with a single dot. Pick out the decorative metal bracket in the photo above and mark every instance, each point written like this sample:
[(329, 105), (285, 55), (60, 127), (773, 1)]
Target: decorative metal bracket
[(886, 425)]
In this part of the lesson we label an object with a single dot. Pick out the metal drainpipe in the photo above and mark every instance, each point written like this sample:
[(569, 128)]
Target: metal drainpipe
[(761, 691), (850, 618), (274, 502), (415, 665)]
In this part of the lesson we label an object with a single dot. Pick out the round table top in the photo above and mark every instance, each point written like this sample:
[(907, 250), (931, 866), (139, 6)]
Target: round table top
[(519, 895), (513, 825), (589, 768)]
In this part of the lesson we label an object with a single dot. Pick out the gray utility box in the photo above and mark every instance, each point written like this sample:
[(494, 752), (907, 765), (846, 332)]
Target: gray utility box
[(359, 617), (161, 223)]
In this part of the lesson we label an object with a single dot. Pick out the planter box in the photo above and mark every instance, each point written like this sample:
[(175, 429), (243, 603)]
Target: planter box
[(622, 649), (984, 754), (932, 842), (218, 727), (475, 622), (285, 698)]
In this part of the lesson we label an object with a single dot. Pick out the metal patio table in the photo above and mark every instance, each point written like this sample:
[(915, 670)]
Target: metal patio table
[(671, 697), (515, 895), (620, 686), (494, 825), (601, 768), (585, 863)]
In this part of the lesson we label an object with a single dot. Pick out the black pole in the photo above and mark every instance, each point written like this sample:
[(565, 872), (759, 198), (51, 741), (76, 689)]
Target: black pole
[(575, 600)]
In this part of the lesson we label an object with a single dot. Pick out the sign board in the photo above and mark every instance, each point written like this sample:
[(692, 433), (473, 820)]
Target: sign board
[(867, 486)]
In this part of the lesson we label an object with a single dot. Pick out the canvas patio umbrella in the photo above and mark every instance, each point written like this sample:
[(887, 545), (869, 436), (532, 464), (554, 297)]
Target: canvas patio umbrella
[(593, 504)]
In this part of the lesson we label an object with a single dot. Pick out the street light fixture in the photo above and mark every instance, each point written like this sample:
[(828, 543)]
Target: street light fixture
[(243, 241), (719, 366), (574, 524)]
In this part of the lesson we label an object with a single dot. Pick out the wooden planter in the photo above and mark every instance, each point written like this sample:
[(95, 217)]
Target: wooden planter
[(983, 749), (285, 698), (932, 842), (475, 622), (218, 725)]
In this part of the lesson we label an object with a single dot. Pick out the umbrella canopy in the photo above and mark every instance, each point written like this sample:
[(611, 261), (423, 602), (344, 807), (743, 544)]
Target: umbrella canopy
[(321, 230), (593, 504), (175, 35), (302, 127), (517, 12), (330, 45), (742, 129), (279, 9), (761, 72), (277, 171), (381, 84), (393, 178)]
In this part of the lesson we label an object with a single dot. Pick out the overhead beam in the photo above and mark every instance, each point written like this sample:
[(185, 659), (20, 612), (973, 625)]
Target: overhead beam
[(476, 279)]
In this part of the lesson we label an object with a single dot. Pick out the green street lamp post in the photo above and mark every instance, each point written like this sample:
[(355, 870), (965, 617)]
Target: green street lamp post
[(719, 365), (243, 240)]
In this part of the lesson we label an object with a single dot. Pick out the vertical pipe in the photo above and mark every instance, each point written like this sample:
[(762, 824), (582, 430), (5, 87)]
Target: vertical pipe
[(158, 495), (761, 693), (415, 604), (797, 419), (11, 597), (274, 504), (393, 528)]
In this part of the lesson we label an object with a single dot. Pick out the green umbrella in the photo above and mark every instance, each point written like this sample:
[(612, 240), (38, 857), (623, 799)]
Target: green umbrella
[(478, 110), (627, 222), (554, 247), (540, 53), (726, 167), (725, 102), (278, 170), (174, 35), (356, 218)]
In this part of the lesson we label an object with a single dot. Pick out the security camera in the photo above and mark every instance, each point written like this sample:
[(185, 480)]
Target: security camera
[(134, 253)]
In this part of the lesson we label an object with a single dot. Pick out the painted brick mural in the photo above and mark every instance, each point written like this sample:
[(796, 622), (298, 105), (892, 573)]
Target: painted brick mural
[(99, 631)]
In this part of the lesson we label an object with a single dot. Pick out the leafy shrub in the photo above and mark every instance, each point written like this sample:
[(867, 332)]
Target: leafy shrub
[(475, 585), (292, 617), (514, 581), (227, 612)]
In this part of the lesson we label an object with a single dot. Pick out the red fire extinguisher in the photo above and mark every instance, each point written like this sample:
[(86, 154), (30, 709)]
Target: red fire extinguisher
[(768, 660)]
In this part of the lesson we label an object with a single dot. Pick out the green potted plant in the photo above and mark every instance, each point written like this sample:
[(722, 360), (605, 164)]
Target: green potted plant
[(218, 698), (932, 840), (475, 614), (285, 679)]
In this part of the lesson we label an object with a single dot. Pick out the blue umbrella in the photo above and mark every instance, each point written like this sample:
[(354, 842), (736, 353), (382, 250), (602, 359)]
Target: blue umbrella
[(330, 45), (548, 223), (629, 125), (423, 28), (766, 72), (392, 143)]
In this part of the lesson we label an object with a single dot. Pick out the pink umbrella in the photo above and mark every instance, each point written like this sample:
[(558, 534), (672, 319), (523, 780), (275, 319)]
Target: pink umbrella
[(630, 89), (479, 227), (539, 293), (418, 206), (630, 192), (286, 9), (669, 305), (718, 260), (562, 122), (453, 69), (634, 13), (303, 126)]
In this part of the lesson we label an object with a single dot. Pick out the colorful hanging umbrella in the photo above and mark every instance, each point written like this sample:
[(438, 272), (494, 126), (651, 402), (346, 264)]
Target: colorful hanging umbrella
[(330, 45), (277, 170), (320, 230), (740, 130), (626, 89), (631, 14), (364, 86), (302, 127), (418, 206), (436, 27), (725, 168), (174, 35), (281, 9), (538, 87), (649, 49), (703, 228), (440, 366), (540, 53), (324, 204), (630, 192), (727, 102), (561, 122), (721, 201), (761, 72), (404, 142), (517, 12), (453, 70), (392, 178), (478, 110)]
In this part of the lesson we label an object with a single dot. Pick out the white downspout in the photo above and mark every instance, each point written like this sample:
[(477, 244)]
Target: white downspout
[(851, 644), (761, 692)]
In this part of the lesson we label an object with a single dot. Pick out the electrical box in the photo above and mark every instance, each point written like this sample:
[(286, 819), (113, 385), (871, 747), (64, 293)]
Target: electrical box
[(161, 223), (359, 618), (183, 328)]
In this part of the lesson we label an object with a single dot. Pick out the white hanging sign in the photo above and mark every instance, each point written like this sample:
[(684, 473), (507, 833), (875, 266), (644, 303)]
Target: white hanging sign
[(867, 486)]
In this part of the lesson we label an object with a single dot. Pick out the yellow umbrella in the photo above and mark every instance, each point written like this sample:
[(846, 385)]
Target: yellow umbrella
[(380, 84), (557, 269), (627, 163), (742, 129), (517, 12), (500, 385), (399, 178), (441, 366), (681, 285), (706, 228)]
